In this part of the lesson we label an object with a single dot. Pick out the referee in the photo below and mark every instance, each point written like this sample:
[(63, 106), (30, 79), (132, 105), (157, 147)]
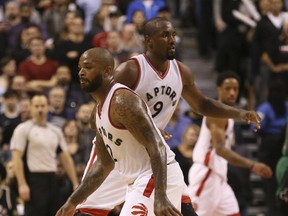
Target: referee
[(36, 145)]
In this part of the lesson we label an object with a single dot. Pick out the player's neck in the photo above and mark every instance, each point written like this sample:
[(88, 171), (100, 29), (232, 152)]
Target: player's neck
[(160, 65), (102, 93)]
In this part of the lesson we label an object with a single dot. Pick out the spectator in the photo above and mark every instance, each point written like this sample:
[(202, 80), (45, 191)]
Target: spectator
[(71, 134), (98, 19), (25, 14), (149, 7), (11, 182), (258, 74), (270, 39), (35, 15), (68, 51), (58, 114), (138, 19), (21, 51), (62, 34), (18, 84), (113, 21), (35, 160), (123, 5), (116, 47), (7, 71), (232, 46), (274, 113), (184, 151), (12, 15), (38, 66), (9, 119), (7, 200), (131, 39), (89, 7), (53, 18), (86, 134), (206, 30), (24, 108)]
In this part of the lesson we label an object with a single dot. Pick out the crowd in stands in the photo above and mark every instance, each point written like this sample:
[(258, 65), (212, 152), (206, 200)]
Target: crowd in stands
[(41, 42)]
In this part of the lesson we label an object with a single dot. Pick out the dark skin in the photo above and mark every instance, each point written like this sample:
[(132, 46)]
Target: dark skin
[(161, 44), (228, 92), (127, 110)]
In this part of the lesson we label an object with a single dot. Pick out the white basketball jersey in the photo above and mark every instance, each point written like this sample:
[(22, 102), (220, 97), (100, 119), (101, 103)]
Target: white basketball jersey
[(204, 152), (161, 93), (130, 156)]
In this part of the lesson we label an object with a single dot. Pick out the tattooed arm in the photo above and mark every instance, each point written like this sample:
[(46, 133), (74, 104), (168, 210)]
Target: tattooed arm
[(129, 111), (94, 178)]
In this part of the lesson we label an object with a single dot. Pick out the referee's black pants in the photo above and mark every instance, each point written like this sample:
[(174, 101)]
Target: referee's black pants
[(44, 195)]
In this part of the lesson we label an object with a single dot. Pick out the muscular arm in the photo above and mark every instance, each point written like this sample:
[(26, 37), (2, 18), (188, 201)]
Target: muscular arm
[(132, 114), (96, 175), (217, 128), (128, 110), (208, 106)]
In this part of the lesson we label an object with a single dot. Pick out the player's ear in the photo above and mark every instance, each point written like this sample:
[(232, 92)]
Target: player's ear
[(147, 39), (108, 71)]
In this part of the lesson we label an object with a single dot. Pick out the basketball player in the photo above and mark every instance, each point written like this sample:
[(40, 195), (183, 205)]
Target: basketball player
[(208, 174), (160, 80), (128, 140)]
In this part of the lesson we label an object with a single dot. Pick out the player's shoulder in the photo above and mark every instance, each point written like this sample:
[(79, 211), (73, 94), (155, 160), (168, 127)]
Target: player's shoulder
[(182, 66), (125, 97), (127, 73), (129, 65)]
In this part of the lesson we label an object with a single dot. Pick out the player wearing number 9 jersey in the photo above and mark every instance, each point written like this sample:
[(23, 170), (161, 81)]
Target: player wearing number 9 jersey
[(160, 80), (160, 91)]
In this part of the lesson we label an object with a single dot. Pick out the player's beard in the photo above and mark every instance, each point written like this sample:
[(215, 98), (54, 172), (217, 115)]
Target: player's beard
[(170, 55), (92, 85)]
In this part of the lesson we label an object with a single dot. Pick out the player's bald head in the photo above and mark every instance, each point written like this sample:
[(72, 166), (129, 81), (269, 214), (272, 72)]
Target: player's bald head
[(154, 25), (101, 56)]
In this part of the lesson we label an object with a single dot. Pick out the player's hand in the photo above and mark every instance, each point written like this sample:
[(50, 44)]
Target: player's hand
[(165, 134), (68, 209), (251, 117), (220, 25), (262, 169), (24, 192), (164, 208)]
